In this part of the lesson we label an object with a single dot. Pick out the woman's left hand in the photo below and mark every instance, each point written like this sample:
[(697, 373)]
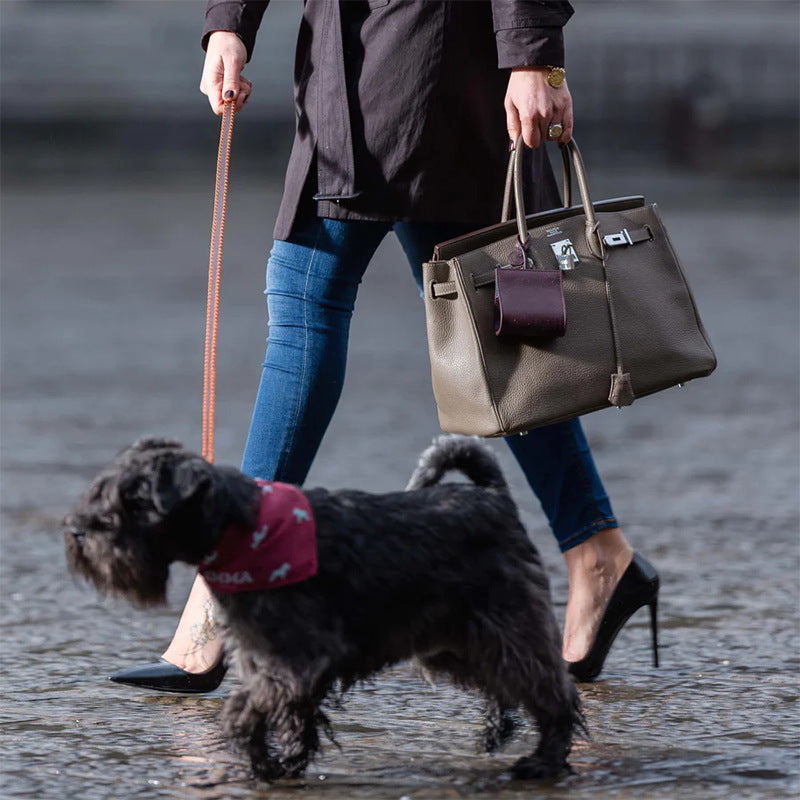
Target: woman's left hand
[(532, 105)]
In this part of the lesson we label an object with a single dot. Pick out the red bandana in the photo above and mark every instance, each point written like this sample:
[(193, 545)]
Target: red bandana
[(281, 549)]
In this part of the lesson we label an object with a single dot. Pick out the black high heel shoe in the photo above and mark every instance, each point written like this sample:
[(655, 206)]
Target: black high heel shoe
[(637, 587), (166, 677)]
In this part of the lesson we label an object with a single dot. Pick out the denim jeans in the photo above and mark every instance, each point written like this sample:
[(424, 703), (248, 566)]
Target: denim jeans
[(312, 281)]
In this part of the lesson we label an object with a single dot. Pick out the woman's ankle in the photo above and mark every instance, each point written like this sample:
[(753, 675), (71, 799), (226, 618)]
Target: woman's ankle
[(195, 661), (608, 551), (594, 568), (196, 645)]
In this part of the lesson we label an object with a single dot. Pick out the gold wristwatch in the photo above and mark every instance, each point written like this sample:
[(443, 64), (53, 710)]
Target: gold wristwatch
[(555, 76)]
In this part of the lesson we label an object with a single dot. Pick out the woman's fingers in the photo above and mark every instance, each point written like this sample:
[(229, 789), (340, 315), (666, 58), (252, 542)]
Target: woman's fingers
[(567, 123), (532, 105), (532, 132), (232, 66), (513, 125), (222, 80), (211, 82), (243, 93)]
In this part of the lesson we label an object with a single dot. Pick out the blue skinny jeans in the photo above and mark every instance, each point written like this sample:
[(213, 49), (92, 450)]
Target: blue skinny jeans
[(312, 281)]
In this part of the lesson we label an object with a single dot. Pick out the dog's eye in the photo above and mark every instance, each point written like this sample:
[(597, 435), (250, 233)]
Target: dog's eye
[(77, 534)]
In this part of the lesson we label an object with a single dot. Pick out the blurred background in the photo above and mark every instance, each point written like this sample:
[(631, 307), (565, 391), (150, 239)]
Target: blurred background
[(108, 157), (705, 85)]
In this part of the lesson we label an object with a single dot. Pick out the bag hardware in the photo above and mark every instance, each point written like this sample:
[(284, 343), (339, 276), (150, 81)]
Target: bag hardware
[(615, 239), (625, 237)]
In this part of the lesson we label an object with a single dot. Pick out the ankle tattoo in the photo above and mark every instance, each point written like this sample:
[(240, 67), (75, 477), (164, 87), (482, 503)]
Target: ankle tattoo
[(201, 633)]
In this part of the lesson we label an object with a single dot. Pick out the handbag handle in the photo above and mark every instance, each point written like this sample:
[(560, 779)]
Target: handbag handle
[(566, 164), (571, 158)]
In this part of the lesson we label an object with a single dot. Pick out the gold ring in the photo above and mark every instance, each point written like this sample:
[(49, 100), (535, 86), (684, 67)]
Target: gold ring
[(555, 130)]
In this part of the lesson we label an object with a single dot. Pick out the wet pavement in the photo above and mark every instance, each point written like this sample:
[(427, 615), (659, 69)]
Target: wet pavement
[(102, 327)]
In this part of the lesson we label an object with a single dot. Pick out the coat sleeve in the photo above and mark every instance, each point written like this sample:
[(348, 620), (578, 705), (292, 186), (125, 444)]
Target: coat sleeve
[(529, 32), (241, 17)]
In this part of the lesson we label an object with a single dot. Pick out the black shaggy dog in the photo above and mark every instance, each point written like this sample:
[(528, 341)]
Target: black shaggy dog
[(444, 573)]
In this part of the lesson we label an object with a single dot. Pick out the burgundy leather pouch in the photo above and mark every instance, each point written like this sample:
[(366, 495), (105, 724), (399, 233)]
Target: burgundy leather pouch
[(529, 302)]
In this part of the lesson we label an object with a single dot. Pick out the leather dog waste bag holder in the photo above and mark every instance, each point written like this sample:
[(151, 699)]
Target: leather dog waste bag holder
[(629, 326)]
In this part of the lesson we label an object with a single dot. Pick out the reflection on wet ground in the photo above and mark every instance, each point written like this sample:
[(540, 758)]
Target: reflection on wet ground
[(102, 316), (718, 719)]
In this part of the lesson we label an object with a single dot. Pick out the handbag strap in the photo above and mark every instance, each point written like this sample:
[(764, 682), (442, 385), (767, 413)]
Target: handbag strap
[(566, 166), (572, 161), (214, 279)]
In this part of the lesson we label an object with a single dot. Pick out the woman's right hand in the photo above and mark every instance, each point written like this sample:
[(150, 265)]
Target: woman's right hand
[(222, 80)]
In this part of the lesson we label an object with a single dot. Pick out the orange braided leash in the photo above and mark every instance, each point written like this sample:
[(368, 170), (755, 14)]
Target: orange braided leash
[(214, 278)]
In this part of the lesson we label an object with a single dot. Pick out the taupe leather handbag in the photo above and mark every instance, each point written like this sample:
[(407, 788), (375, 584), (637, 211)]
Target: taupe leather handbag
[(632, 327)]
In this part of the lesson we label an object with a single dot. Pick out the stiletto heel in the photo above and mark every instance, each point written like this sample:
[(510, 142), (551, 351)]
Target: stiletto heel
[(164, 676), (654, 629), (637, 587)]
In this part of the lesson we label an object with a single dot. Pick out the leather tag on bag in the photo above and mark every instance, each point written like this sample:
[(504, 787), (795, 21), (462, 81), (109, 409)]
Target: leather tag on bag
[(529, 303)]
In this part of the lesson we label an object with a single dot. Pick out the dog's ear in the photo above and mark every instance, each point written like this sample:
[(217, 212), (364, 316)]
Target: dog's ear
[(186, 492), (178, 482)]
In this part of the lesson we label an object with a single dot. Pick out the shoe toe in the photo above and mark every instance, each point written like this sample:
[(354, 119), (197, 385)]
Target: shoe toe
[(163, 676)]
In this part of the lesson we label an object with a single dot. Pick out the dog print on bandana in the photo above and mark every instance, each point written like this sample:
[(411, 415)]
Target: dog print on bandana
[(281, 548)]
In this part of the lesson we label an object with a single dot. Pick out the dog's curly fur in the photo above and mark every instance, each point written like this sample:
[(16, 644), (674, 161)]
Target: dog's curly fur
[(441, 572)]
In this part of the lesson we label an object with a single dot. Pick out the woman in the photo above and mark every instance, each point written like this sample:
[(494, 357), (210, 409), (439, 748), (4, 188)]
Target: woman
[(400, 127)]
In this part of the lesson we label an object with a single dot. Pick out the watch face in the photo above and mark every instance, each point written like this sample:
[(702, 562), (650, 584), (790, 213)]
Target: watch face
[(555, 77)]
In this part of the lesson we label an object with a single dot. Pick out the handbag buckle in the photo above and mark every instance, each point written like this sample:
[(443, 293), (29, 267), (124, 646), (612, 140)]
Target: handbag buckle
[(616, 239)]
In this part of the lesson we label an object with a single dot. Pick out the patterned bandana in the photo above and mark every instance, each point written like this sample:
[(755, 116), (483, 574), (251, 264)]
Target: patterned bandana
[(281, 549)]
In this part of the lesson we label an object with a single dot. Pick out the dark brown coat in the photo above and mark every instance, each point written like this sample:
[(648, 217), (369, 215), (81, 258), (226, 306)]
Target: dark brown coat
[(399, 103)]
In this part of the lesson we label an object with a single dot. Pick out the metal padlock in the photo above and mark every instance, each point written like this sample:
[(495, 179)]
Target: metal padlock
[(566, 260)]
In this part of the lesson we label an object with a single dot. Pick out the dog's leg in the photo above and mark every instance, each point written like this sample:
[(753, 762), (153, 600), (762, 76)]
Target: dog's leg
[(544, 688), (513, 657), (275, 718), (500, 725), (555, 740), (277, 730), (246, 726), (295, 722), (554, 705)]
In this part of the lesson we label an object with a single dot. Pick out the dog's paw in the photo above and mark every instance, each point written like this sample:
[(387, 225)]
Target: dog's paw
[(501, 725), (270, 768), (267, 769), (536, 768)]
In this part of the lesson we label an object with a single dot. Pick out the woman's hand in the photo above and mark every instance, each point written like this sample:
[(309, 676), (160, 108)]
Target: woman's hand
[(532, 105), (222, 80)]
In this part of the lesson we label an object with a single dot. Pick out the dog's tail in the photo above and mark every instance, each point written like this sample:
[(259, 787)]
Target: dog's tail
[(465, 454)]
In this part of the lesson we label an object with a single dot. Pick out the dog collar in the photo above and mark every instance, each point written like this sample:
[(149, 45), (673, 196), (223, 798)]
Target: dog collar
[(280, 549)]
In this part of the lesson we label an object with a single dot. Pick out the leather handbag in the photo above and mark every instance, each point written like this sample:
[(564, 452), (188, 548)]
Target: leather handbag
[(631, 324)]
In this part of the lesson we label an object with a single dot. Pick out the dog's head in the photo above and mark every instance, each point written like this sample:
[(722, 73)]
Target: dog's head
[(154, 504)]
